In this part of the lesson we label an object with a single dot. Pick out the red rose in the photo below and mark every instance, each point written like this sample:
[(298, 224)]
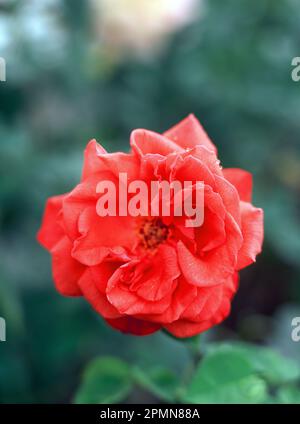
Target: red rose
[(142, 274)]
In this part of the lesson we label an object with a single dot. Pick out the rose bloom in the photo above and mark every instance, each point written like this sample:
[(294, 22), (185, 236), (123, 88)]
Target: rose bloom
[(142, 274)]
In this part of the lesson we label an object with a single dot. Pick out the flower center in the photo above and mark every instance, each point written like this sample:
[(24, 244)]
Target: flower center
[(152, 233)]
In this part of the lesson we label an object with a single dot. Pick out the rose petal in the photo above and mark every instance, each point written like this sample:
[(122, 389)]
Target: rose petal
[(159, 276), (189, 133), (144, 142), (100, 235), (211, 234), (208, 157), (97, 160), (185, 328), (242, 181), (89, 283), (253, 234), (134, 326), (66, 270), (205, 304), (192, 169), (51, 232), (91, 154), (209, 300), (230, 197), (214, 267), (126, 300), (81, 197), (182, 297)]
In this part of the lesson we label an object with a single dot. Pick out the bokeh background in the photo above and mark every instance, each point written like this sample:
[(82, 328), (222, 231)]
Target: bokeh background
[(83, 69)]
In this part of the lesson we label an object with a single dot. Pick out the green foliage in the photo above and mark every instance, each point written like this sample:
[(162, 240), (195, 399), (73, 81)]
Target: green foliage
[(163, 383), (225, 376), (272, 366), (106, 380), (227, 373), (288, 394)]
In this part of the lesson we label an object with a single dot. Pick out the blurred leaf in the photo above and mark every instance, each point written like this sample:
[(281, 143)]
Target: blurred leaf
[(225, 376), (106, 380), (288, 394), (272, 366), (159, 381)]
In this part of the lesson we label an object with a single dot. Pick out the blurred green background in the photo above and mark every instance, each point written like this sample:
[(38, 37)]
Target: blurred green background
[(66, 84)]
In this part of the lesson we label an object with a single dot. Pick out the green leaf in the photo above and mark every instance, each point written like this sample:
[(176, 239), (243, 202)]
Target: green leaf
[(106, 380), (225, 376), (272, 366), (159, 381), (288, 394)]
